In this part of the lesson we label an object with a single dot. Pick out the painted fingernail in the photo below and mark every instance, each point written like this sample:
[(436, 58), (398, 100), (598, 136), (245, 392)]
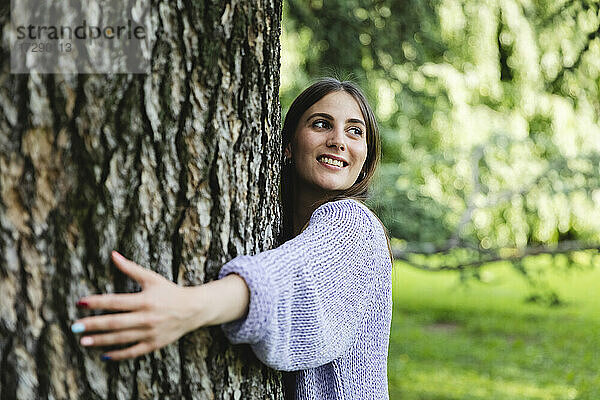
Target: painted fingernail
[(86, 341), (82, 304), (77, 327), (104, 357)]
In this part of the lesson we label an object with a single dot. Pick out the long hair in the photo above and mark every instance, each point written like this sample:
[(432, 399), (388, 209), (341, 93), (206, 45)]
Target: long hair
[(359, 190)]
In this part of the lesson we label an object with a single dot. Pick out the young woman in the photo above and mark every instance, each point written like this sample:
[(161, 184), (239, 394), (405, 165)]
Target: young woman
[(318, 306)]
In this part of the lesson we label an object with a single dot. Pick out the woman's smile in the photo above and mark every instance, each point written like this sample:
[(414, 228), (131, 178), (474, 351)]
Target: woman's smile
[(332, 162)]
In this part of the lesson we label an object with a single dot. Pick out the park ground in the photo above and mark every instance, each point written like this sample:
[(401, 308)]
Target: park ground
[(482, 340)]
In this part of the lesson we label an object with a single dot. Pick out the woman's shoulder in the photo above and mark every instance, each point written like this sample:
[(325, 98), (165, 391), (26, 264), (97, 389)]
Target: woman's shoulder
[(352, 218), (345, 210)]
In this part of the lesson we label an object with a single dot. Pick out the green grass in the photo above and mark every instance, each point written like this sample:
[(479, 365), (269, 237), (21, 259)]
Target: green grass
[(483, 341)]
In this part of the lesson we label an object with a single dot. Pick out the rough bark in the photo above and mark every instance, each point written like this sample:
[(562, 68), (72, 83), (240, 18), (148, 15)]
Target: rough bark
[(176, 169)]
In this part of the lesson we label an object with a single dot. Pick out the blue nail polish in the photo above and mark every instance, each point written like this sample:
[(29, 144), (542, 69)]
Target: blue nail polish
[(104, 357), (77, 328)]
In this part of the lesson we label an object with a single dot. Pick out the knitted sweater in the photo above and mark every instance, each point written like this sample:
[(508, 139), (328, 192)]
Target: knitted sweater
[(321, 305)]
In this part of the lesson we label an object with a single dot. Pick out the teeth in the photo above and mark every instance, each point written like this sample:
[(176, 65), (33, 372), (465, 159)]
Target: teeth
[(330, 161)]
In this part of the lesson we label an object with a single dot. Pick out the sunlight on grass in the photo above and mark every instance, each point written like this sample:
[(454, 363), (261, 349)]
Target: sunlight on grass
[(483, 341), (502, 289), (465, 384)]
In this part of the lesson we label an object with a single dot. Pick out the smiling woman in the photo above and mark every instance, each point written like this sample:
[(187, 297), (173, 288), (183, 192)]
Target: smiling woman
[(319, 306), (330, 119)]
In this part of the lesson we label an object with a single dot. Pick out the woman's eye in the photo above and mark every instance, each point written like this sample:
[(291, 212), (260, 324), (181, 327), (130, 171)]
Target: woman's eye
[(356, 131), (321, 123)]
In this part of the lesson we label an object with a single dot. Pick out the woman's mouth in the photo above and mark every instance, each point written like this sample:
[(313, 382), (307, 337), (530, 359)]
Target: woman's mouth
[(330, 162)]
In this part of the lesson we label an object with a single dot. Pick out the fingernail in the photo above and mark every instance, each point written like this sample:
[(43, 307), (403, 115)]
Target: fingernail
[(77, 327), (82, 304), (86, 341), (117, 255), (104, 357)]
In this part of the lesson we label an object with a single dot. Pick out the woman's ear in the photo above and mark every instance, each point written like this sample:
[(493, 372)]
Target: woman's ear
[(288, 151)]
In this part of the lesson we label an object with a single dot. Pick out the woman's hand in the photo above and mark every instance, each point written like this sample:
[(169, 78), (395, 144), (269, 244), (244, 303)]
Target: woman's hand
[(158, 315)]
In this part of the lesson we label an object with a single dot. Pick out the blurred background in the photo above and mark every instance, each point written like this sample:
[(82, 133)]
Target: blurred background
[(489, 186)]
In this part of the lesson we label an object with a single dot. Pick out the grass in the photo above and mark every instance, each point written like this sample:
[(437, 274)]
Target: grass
[(483, 341)]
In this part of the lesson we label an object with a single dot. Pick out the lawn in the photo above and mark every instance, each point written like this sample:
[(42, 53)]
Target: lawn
[(483, 341)]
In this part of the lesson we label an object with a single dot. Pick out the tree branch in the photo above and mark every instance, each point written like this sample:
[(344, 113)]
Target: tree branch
[(490, 257)]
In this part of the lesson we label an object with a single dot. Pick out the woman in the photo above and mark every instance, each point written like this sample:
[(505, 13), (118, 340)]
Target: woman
[(319, 305)]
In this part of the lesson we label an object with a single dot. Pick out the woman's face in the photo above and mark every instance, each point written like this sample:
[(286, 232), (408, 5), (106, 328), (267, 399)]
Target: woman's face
[(329, 147)]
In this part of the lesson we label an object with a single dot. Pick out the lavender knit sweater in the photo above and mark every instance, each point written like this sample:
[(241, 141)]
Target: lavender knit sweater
[(321, 305)]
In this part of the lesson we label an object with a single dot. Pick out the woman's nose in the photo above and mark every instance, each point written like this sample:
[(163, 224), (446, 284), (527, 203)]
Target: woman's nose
[(337, 139)]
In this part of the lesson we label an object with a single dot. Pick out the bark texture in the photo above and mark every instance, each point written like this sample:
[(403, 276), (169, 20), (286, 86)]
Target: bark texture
[(177, 169)]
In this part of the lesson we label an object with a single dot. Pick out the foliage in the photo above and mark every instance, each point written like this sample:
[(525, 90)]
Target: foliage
[(488, 109)]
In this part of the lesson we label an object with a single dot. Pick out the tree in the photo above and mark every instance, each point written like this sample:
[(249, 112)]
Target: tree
[(177, 169)]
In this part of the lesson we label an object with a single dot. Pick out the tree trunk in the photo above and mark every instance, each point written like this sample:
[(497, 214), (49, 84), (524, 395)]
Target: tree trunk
[(177, 169)]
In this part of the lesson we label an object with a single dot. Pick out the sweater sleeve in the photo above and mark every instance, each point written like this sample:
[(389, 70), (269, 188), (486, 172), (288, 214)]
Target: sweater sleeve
[(308, 296)]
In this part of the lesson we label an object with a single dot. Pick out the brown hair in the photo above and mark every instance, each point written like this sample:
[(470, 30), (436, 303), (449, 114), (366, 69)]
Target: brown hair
[(359, 190)]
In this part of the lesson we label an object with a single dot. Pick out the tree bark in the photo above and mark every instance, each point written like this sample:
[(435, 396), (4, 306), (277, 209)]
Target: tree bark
[(177, 169)]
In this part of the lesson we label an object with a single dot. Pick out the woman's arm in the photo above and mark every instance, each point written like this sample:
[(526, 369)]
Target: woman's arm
[(308, 297), (161, 313), (226, 299)]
